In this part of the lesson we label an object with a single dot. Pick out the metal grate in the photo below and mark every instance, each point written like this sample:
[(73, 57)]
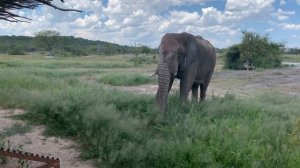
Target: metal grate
[(49, 162)]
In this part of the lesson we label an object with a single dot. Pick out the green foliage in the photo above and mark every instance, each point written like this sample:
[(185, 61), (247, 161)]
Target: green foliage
[(125, 79), (146, 50), (254, 51), (47, 39), (232, 58), (16, 129), (67, 46), (21, 43), (222, 132), (15, 50), (259, 51)]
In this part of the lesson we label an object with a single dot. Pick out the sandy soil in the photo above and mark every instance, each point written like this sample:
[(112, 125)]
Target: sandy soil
[(34, 142), (285, 80)]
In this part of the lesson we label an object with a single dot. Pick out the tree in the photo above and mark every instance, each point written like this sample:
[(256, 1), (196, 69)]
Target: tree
[(145, 49), (259, 51), (47, 39), (6, 6)]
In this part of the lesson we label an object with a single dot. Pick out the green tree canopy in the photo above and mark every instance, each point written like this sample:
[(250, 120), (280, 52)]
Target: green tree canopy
[(145, 49), (47, 39), (254, 51)]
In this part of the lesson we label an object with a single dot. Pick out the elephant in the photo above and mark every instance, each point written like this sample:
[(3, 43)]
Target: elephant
[(189, 58)]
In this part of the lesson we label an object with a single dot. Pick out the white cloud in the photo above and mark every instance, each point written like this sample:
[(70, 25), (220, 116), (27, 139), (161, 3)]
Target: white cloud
[(288, 26), (295, 36), (282, 2), (269, 30), (283, 15), (182, 17), (87, 20), (248, 7), (144, 21)]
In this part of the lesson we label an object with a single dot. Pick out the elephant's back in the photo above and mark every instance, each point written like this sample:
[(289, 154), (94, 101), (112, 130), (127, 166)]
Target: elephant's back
[(207, 52), (207, 60)]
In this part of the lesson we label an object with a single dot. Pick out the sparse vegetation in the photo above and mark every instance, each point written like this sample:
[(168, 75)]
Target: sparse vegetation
[(16, 129)]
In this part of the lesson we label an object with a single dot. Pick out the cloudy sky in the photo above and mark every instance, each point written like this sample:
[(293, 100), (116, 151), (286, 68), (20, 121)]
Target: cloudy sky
[(145, 21)]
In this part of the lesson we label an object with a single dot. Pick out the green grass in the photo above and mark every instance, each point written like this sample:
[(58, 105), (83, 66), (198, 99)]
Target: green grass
[(126, 79), (126, 131), (291, 58), (121, 129), (65, 64), (15, 129)]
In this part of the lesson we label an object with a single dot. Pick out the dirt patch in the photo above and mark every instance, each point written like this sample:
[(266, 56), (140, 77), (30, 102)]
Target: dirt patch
[(284, 80), (35, 142)]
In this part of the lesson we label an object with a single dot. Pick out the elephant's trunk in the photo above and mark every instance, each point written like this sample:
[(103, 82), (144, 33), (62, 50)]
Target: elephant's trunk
[(164, 76)]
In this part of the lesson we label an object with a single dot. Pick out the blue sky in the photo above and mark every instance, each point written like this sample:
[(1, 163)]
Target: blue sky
[(144, 22)]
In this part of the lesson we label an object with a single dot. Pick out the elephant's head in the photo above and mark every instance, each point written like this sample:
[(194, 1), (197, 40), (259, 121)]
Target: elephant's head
[(175, 51)]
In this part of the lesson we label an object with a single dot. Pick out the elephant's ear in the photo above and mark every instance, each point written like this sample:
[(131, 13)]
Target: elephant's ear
[(191, 52), (182, 59)]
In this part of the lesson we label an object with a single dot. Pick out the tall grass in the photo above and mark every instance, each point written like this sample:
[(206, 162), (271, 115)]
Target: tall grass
[(126, 131), (65, 64), (126, 79), (121, 129)]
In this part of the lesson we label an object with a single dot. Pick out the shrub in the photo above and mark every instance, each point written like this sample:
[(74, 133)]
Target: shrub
[(232, 58), (16, 51), (254, 51)]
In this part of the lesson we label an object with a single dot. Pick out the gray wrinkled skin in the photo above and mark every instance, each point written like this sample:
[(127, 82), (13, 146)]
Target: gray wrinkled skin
[(189, 58)]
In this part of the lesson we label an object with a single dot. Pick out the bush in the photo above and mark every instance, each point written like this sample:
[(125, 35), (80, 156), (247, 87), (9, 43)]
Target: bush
[(254, 51), (232, 58), (16, 51)]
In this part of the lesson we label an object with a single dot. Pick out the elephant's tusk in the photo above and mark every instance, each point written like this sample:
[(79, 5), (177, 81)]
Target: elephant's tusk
[(153, 74)]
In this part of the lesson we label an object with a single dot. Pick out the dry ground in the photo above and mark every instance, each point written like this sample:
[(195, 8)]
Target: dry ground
[(35, 142), (284, 80)]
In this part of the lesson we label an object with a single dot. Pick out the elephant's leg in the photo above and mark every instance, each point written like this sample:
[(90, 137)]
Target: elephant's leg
[(195, 89), (203, 87), (187, 81), (171, 83)]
